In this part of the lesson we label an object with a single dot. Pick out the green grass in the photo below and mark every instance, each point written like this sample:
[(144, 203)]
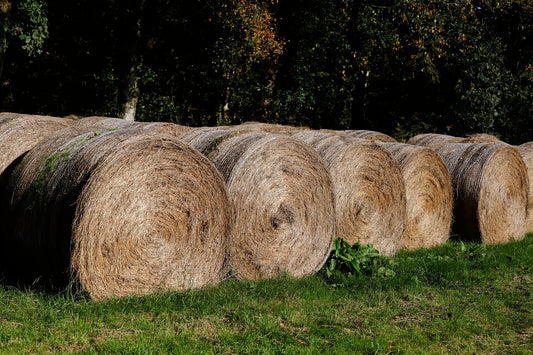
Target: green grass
[(458, 298)]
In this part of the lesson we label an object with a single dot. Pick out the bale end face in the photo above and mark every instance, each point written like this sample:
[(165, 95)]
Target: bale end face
[(503, 197), (283, 202), (153, 216)]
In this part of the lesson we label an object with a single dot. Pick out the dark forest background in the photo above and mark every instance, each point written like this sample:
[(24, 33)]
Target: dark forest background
[(401, 67)]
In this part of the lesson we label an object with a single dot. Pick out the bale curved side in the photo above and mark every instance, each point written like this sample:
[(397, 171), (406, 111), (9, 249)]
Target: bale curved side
[(526, 151), (19, 133), (166, 127), (283, 200), (34, 161), (481, 138), (429, 193), (432, 139), (369, 190), (260, 127), (206, 139), (370, 135), (490, 190)]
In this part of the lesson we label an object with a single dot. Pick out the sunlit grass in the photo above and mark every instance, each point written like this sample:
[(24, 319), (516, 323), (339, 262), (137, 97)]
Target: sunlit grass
[(458, 298)]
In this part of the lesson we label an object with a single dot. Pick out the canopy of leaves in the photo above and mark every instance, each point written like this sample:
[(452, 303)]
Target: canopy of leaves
[(398, 66)]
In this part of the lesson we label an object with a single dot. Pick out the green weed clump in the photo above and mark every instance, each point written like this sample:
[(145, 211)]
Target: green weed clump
[(357, 260)]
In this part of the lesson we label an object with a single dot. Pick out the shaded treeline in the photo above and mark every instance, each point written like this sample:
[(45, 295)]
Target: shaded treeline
[(397, 66)]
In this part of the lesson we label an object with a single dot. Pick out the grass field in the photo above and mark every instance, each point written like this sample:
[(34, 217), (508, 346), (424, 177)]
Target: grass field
[(458, 298)]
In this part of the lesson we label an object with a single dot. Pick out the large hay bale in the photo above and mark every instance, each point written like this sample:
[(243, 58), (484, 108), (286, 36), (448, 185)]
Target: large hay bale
[(370, 135), (19, 133), (429, 193), (481, 138), (283, 200), (369, 190), (490, 190), (431, 139), (126, 211), (526, 151)]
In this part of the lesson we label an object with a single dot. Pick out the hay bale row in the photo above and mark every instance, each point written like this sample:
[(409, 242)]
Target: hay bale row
[(121, 208)]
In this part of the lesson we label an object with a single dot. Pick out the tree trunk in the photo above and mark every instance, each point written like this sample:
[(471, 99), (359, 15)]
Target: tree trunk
[(5, 14), (129, 33)]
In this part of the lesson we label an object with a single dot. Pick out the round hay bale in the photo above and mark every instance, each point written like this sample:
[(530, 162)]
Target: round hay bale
[(19, 133), (368, 186), (490, 190), (283, 200), (481, 138), (431, 139), (370, 135), (526, 151), (429, 194), (123, 212)]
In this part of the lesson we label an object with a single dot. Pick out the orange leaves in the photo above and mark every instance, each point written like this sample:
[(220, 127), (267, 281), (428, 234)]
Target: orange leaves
[(259, 27)]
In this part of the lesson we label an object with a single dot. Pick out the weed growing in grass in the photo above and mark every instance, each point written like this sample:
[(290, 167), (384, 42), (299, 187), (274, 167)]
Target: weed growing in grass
[(357, 259)]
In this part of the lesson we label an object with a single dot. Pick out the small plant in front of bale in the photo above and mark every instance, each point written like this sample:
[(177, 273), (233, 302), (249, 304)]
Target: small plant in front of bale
[(356, 259)]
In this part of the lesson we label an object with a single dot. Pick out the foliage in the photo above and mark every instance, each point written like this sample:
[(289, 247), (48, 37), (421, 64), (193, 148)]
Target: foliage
[(398, 66), (355, 259), (30, 25)]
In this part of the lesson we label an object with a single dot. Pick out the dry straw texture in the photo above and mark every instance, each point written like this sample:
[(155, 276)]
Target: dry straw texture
[(283, 200), (19, 133), (431, 139), (526, 151), (46, 148), (482, 138), (490, 190), (369, 190), (126, 211), (370, 135), (428, 188), (259, 127)]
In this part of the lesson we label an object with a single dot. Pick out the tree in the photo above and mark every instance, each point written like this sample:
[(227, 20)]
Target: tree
[(5, 19), (127, 56), (27, 23)]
